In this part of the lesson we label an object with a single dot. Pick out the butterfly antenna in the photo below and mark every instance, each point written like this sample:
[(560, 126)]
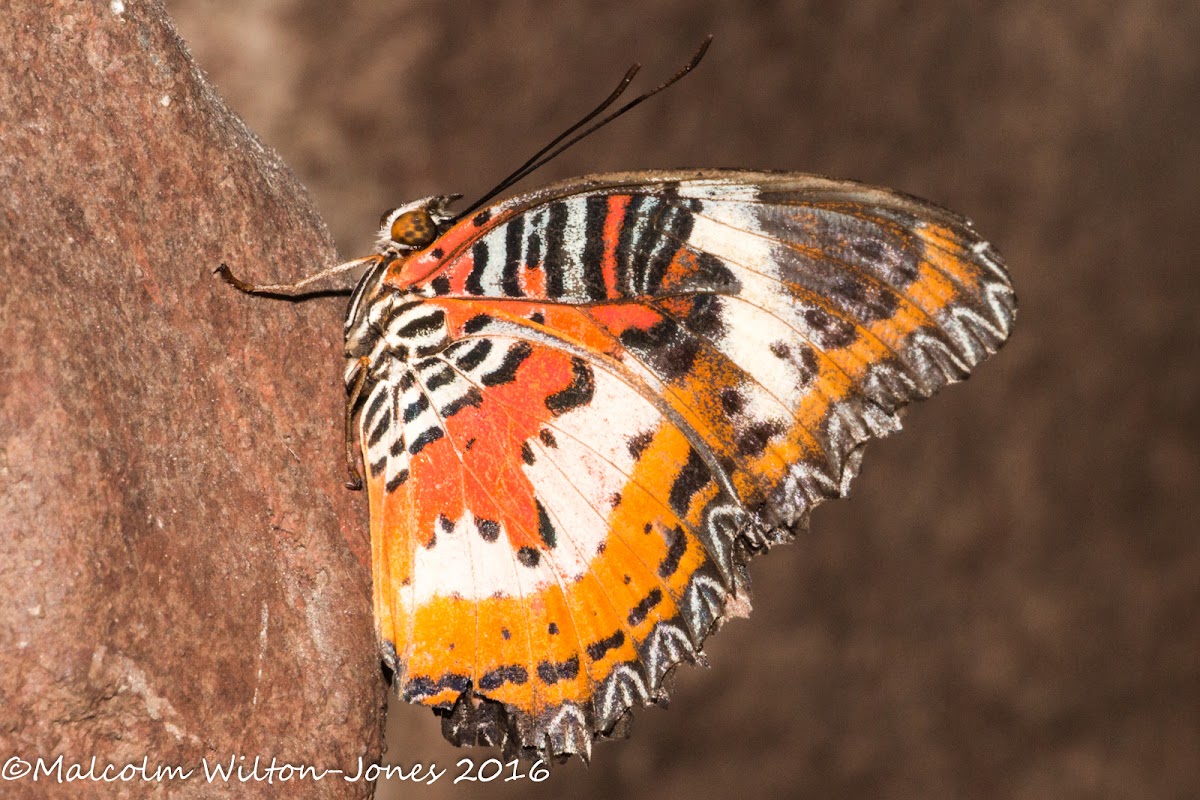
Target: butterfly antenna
[(554, 149), (522, 170)]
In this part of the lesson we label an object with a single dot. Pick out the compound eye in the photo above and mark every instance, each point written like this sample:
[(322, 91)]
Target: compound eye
[(413, 229)]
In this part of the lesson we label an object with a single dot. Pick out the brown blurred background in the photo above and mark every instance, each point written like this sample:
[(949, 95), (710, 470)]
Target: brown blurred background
[(1010, 605)]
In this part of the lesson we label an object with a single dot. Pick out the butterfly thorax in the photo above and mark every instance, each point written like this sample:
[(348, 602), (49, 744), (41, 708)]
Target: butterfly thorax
[(387, 325)]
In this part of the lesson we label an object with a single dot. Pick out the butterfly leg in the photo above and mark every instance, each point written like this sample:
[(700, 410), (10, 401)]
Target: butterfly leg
[(352, 456), (301, 287)]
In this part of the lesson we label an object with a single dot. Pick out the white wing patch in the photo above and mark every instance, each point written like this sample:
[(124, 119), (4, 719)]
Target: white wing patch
[(577, 479), (463, 563)]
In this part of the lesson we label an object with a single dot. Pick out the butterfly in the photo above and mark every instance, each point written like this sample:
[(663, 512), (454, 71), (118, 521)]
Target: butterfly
[(583, 409)]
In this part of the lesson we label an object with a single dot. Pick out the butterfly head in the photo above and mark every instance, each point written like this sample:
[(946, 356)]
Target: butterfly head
[(415, 225)]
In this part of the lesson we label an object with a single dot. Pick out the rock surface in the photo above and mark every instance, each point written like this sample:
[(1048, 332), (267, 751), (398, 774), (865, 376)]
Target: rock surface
[(182, 574)]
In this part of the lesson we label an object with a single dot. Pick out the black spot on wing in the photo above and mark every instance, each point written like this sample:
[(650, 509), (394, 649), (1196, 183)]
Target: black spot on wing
[(545, 526), (377, 466), (578, 393), (639, 443), (533, 250), (423, 326), (551, 672), (808, 361), (639, 612), (676, 547), (665, 346), (420, 686), (732, 401), (832, 332), (514, 232), (864, 299), (591, 262), (711, 275), (476, 323), (427, 436), (414, 409), (380, 430), (479, 263), (513, 673), (473, 399), (597, 650), (704, 316), (474, 355), (657, 335), (690, 480), (529, 557), (377, 403), (506, 372), (489, 530), (443, 377), (802, 357), (555, 260), (396, 481), (753, 440)]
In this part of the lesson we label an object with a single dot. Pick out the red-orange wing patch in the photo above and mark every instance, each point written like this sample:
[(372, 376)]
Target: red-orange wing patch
[(589, 406)]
